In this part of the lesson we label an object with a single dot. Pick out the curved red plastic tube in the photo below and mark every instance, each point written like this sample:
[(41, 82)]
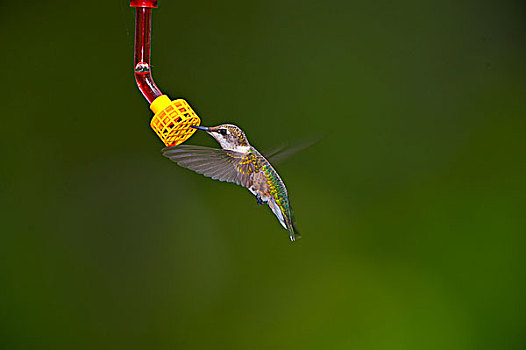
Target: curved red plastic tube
[(143, 24)]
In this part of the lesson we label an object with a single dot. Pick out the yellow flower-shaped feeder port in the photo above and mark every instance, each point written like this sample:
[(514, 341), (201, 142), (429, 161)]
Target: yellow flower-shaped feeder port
[(172, 120)]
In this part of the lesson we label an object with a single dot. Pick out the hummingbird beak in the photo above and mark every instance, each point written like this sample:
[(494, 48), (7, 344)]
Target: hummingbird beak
[(205, 128)]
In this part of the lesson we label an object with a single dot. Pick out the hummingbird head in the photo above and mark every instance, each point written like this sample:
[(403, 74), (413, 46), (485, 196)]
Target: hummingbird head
[(229, 136)]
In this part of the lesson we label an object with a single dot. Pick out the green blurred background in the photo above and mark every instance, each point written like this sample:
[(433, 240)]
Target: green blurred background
[(412, 207)]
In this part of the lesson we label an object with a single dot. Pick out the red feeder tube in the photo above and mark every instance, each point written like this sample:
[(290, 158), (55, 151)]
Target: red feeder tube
[(143, 24)]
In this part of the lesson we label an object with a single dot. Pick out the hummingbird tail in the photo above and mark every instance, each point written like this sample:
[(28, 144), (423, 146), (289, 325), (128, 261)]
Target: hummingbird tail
[(294, 235), (293, 231), (285, 218)]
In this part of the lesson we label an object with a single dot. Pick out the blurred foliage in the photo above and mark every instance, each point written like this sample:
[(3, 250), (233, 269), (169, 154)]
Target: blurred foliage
[(411, 208)]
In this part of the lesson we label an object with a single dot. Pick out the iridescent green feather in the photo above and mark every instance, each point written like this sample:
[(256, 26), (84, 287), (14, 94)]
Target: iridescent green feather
[(279, 193)]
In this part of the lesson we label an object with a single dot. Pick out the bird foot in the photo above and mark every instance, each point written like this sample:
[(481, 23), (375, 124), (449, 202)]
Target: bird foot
[(260, 201)]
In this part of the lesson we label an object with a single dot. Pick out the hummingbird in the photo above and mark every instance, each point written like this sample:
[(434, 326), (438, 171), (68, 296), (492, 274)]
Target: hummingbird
[(238, 162)]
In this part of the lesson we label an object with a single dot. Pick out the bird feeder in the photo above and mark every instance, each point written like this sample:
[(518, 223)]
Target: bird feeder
[(172, 120)]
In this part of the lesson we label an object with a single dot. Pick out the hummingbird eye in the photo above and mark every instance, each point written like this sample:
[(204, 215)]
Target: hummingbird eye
[(222, 131)]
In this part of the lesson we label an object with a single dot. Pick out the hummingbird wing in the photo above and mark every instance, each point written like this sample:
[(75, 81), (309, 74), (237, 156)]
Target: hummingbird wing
[(286, 151), (218, 164)]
